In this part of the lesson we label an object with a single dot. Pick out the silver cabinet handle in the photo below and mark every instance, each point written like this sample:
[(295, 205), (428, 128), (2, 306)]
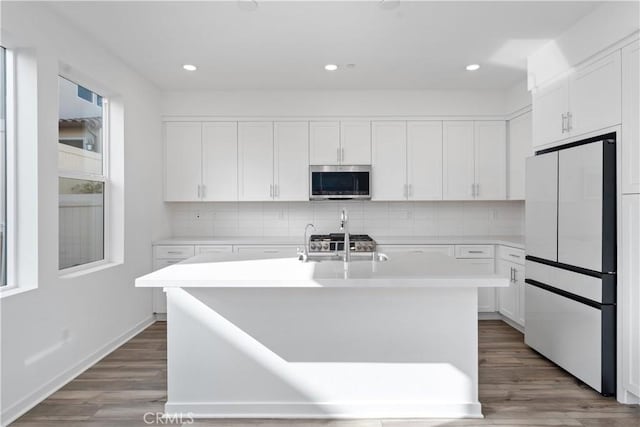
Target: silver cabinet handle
[(514, 274), (276, 190), (514, 255), (342, 154), (473, 190), (406, 190), (174, 252), (476, 252), (273, 251), (409, 190), (569, 121), (338, 154), (271, 191), (564, 123), (203, 191), (199, 191), (477, 190)]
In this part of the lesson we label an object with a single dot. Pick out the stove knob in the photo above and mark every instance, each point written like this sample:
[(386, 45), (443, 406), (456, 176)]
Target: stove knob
[(312, 246), (325, 246)]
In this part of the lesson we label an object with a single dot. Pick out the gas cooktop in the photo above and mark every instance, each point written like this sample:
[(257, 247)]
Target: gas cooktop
[(334, 242)]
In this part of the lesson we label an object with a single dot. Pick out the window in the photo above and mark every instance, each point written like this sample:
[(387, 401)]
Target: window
[(3, 168), (82, 181)]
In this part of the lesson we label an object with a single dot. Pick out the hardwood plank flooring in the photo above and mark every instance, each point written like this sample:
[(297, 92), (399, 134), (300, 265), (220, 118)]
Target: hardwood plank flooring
[(517, 388)]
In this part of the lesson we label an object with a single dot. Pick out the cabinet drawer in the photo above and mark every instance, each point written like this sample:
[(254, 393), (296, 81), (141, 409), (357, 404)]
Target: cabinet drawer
[(474, 251), (511, 254), (419, 249), (287, 251), (162, 263), (211, 249), (174, 251)]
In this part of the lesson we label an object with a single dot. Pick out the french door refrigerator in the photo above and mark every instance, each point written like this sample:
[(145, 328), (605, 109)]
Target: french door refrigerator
[(570, 294)]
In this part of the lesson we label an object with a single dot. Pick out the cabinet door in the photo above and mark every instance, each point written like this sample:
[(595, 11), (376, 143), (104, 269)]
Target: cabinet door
[(417, 249), (631, 118), (389, 165), (595, 95), (458, 160), (507, 297), (491, 160), (284, 251), (355, 142), (324, 143), (520, 147), (549, 105), (486, 296), (630, 298), (424, 160), (291, 145), (541, 206), (255, 161), (182, 161), (220, 161)]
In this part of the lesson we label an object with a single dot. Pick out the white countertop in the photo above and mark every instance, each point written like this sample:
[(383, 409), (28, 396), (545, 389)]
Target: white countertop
[(263, 271), (513, 241)]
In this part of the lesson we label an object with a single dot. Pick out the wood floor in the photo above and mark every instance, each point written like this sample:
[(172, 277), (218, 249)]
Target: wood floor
[(517, 388)]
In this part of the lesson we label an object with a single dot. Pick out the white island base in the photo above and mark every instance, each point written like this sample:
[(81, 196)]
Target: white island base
[(374, 345)]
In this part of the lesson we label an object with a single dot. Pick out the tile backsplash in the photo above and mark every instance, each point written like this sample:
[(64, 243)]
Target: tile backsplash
[(375, 218)]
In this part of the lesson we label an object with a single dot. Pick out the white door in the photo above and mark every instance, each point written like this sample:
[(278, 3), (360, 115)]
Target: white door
[(255, 161), (541, 206), (550, 103), (220, 161), (580, 206), (182, 161), (491, 160), (631, 118), (458, 160), (595, 95), (424, 160), (291, 154), (389, 160), (507, 297), (520, 147), (324, 143), (355, 142)]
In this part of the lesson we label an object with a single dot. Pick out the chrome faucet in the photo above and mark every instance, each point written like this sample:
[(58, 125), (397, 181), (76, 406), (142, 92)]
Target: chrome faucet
[(344, 226), (304, 255)]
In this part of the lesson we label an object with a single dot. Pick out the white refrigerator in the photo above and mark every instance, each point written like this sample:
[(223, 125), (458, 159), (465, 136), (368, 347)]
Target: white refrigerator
[(570, 308)]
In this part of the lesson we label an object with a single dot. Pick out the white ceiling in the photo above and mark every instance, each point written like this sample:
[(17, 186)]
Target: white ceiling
[(284, 45)]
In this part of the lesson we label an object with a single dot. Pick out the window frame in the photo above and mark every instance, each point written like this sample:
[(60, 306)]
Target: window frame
[(106, 191)]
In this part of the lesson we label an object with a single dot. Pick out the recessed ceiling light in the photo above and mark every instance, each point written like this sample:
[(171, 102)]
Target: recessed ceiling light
[(472, 67), (189, 67), (331, 67)]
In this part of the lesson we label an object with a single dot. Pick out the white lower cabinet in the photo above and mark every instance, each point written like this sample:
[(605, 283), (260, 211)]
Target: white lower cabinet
[(283, 250), (417, 249), (511, 299), (482, 258)]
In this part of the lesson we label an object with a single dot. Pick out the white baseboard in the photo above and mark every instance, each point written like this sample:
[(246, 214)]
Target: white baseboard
[(489, 315), (14, 411), (160, 317), (322, 410)]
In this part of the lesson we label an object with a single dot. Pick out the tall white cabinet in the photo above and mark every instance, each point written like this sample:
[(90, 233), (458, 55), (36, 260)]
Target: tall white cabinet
[(474, 160), (520, 147), (291, 160), (182, 161), (631, 118), (389, 160), (255, 161)]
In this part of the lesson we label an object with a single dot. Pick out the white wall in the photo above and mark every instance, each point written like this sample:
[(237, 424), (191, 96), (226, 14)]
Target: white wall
[(518, 97), (305, 103), (52, 332), (474, 218)]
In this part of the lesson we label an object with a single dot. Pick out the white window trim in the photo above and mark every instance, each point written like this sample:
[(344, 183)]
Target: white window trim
[(106, 261)]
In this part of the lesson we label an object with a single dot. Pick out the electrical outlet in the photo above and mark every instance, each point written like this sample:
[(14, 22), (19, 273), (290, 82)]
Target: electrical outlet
[(197, 215)]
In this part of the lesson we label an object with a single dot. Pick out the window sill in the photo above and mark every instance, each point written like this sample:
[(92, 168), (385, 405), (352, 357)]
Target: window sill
[(9, 291), (74, 272)]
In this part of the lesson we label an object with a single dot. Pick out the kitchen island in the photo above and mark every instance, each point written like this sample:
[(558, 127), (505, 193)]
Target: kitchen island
[(278, 338)]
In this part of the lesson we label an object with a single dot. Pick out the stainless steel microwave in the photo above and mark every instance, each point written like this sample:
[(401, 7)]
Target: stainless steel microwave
[(339, 182)]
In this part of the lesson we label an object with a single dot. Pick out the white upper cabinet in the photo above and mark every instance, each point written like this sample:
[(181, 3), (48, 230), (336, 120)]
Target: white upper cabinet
[(586, 100), (594, 95), (340, 142), (255, 161), (631, 118), (550, 106), (324, 143), (424, 160), (219, 161), (291, 157), (520, 147), (182, 161), (458, 161), (389, 160), (490, 160), (355, 142)]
